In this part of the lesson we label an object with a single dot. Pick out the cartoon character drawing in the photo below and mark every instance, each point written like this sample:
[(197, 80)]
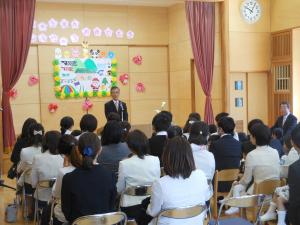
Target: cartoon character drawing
[(85, 49), (95, 84), (94, 53), (75, 52)]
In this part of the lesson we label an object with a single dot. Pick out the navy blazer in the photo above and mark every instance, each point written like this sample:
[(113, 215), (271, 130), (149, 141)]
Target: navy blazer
[(294, 201), (110, 107), (156, 145), (288, 126)]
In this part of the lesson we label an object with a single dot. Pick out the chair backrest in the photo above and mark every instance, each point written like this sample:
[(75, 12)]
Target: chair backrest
[(46, 183), (266, 187), (103, 219), (182, 213), (144, 190), (162, 172), (227, 174)]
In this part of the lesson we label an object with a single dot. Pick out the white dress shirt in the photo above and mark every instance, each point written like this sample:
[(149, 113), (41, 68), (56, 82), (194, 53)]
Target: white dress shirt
[(44, 167), (288, 159), (262, 164), (134, 172), (162, 133), (56, 192), (26, 159), (116, 102), (284, 118), (168, 193), (68, 132)]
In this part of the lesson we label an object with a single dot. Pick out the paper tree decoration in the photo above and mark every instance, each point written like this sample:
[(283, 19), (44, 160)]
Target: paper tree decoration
[(33, 80), (52, 107)]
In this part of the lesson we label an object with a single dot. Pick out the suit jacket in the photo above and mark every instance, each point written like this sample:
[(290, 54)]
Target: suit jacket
[(88, 192), (110, 107), (227, 152), (294, 200), (288, 126), (157, 144), (276, 144)]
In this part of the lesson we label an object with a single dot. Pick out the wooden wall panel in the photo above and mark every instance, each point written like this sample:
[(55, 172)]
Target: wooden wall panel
[(296, 72)]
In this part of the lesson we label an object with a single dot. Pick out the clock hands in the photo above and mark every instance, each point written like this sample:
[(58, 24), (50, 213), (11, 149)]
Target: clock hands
[(249, 9), (253, 7)]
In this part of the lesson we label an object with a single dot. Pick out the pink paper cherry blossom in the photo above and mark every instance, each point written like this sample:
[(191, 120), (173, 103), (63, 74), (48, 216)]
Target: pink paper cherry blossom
[(119, 33), (64, 24), (87, 105), (140, 87), (124, 78), (13, 93), (52, 23), (34, 24), (42, 26), (75, 24), (34, 38), (86, 32), (130, 34), (74, 38), (97, 32), (52, 107), (108, 32), (137, 59), (53, 38), (43, 38), (63, 41), (33, 80)]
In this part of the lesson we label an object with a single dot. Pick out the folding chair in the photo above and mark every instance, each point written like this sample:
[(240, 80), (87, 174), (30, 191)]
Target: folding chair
[(103, 219), (41, 185), (182, 212), (26, 172), (244, 202)]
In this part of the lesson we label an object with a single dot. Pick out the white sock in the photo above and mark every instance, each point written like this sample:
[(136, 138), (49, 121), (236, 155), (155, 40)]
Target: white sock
[(272, 208), (281, 217)]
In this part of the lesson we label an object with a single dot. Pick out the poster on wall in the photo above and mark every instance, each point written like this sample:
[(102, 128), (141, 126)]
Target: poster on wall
[(84, 77)]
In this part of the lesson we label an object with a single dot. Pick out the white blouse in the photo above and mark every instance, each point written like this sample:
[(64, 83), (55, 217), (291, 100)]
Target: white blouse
[(44, 167), (134, 172), (288, 159), (168, 193)]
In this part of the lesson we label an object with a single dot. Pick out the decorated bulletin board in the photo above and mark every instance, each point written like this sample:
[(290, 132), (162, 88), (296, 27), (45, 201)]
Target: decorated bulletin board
[(92, 75)]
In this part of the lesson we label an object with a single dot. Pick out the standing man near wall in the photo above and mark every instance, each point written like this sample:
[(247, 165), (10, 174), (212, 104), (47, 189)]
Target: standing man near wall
[(115, 105)]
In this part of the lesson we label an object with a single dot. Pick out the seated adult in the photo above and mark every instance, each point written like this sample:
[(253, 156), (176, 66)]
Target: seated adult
[(226, 150), (222, 115), (46, 165), (193, 117), (89, 189), (113, 150), (291, 155), (66, 125), (160, 124), (276, 141), (182, 186), (126, 126), (139, 169), (88, 123), (261, 164), (282, 194), (204, 160), (68, 148)]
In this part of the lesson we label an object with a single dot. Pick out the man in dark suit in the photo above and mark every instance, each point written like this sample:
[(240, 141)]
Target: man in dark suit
[(294, 182), (227, 150), (157, 142), (287, 121), (115, 105)]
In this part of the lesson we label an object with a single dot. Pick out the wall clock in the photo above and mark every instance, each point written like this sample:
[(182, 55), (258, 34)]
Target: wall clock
[(251, 11)]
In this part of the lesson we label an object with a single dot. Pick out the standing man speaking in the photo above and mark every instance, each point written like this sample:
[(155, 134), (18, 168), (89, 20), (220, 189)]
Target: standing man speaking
[(115, 105)]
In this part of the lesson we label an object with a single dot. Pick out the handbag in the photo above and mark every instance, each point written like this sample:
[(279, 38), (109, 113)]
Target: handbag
[(12, 172), (11, 213)]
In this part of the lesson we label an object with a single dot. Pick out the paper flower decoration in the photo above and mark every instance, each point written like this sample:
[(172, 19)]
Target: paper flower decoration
[(53, 38), (140, 87), (33, 80), (34, 38), (108, 32), (130, 34), (137, 59), (42, 26), (86, 32), (64, 24), (74, 38), (75, 52), (34, 24), (63, 41), (13, 93), (52, 107), (124, 79), (43, 38), (97, 32), (75, 24), (87, 105), (119, 33), (52, 23)]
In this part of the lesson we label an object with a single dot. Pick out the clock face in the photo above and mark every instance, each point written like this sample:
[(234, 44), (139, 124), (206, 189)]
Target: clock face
[(251, 11)]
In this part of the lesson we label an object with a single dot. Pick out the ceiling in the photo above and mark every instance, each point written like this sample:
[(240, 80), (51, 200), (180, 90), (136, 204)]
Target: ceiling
[(162, 3)]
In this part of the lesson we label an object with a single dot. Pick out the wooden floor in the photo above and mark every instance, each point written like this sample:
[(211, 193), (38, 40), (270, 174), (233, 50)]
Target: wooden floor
[(7, 196)]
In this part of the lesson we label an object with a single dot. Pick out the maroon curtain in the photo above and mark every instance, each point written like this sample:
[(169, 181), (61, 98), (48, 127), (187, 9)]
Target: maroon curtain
[(201, 21), (16, 19)]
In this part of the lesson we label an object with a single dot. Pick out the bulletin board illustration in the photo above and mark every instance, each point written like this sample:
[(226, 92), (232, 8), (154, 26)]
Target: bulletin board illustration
[(91, 76)]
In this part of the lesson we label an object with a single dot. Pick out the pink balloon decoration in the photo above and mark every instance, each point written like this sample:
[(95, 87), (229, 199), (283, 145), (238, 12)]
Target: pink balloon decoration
[(52, 107), (33, 80), (140, 87), (137, 59), (87, 105)]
